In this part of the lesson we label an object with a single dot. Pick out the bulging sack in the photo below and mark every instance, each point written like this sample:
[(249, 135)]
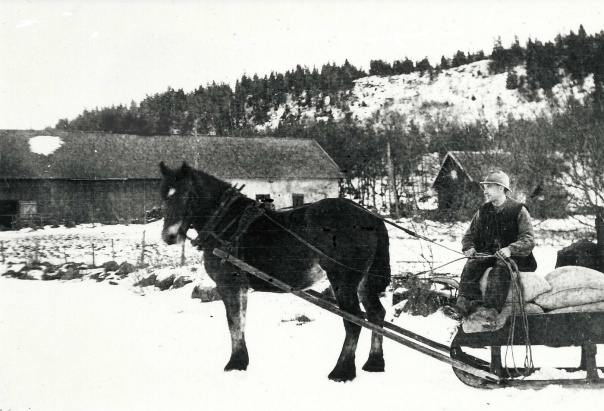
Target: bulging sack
[(585, 308), (572, 286), (533, 285)]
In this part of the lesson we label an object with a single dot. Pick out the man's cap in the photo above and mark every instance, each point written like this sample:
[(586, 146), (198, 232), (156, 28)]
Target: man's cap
[(498, 177)]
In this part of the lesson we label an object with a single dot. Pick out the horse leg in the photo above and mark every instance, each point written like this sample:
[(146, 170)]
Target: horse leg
[(345, 369), (374, 283), (375, 314), (235, 303)]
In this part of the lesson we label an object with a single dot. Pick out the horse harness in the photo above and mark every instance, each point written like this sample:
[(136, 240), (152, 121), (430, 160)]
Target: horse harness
[(244, 219), (250, 214)]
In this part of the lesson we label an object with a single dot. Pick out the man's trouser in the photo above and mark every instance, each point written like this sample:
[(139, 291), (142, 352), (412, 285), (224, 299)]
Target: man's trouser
[(498, 284)]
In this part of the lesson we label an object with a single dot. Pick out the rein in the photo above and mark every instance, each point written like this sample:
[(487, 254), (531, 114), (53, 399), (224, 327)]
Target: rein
[(406, 230), (517, 290), (233, 194)]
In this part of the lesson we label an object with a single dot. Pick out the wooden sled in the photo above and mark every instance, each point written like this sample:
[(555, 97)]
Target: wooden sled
[(578, 329)]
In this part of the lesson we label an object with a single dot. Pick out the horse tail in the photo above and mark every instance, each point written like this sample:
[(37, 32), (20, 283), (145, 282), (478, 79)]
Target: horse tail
[(379, 273)]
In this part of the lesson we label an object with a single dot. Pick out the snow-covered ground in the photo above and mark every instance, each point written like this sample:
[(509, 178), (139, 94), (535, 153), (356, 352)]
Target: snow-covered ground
[(87, 345)]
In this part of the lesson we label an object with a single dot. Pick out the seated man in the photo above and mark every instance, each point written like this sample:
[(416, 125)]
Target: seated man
[(501, 227)]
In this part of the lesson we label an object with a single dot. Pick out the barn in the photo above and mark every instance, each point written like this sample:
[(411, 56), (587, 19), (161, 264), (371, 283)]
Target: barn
[(98, 177), (458, 181)]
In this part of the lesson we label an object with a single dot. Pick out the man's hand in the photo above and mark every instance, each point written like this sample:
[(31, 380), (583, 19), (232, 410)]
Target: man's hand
[(470, 253), (504, 252)]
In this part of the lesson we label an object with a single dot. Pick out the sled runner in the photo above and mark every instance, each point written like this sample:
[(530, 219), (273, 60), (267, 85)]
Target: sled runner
[(575, 329)]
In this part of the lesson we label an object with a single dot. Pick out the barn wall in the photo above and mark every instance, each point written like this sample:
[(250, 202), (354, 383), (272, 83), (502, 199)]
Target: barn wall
[(85, 200), (456, 192), (282, 190), (106, 201)]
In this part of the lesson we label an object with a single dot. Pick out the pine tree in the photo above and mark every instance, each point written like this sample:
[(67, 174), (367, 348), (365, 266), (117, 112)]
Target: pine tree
[(423, 66), (459, 59)]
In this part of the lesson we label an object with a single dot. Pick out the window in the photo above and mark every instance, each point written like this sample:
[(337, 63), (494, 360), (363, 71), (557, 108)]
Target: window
[(260, 197), (28, 208), (297, 200)]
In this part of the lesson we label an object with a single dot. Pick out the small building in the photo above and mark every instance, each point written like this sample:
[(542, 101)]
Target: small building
[(458, 181), (99, 177)]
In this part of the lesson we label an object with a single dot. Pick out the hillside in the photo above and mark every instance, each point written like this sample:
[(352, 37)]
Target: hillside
[(466, 95)]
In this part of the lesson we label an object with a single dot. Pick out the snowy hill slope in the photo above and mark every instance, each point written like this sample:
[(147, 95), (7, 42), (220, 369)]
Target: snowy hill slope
[(466, 94)]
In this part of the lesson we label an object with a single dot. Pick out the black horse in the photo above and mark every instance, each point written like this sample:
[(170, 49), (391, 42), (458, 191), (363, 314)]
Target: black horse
[(298, 246)]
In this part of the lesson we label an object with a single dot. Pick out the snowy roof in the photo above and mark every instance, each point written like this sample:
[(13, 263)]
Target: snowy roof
[(82, 155)]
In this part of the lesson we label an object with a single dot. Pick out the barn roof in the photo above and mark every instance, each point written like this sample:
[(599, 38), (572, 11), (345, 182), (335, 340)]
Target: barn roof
[(86, 155)]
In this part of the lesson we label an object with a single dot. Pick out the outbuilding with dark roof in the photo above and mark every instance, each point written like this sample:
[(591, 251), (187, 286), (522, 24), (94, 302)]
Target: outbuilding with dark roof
[(98, 177)]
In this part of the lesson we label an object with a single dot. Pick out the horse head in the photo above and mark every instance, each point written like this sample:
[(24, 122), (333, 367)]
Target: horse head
[(190, 198), (177, 194)]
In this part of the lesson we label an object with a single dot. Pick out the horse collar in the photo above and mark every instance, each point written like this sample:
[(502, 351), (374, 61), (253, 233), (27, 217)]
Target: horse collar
[(228, 199)]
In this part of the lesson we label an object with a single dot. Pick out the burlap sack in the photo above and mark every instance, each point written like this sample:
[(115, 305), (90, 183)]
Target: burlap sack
[(580, 308), (572, 286), (533, 285)]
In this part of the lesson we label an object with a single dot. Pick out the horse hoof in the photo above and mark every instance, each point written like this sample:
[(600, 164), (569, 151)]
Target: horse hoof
[(342, 376), (236, 366), (374, 366)]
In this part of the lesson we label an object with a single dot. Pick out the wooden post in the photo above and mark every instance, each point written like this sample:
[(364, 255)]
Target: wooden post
[(36, 251), (182, 256), (2, 251), (93, 259), (143, 250), (112, 251), (600, 238)]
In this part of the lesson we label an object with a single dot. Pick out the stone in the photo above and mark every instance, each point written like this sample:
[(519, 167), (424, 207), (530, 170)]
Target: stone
[(124, 269), (92, 273), (146, 281), (181, 281), (205, 293), (52, 275), (111, 266), (164, 282), (33, 275), (71, 273)]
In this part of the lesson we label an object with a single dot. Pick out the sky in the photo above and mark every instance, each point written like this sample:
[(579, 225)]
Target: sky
[(58, 58)]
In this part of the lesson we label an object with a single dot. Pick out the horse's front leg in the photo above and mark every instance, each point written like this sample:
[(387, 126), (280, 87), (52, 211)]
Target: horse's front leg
[(235, 303), (232, 285)]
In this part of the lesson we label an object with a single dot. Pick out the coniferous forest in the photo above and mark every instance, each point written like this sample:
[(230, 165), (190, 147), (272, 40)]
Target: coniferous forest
[(542, 148)]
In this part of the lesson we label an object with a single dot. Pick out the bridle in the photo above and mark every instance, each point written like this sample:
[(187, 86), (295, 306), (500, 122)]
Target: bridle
[(209, 229)]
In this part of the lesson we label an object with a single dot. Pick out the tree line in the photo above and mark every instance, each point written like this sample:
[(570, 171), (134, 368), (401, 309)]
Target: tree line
[(217, 109), (576, 55), (564, 146)]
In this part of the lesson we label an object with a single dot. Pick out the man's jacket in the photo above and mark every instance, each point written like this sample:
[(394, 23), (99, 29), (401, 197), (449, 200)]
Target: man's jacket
[(493, 229)]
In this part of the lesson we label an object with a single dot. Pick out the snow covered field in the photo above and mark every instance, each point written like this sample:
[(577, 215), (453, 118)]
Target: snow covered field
[(87, 345)]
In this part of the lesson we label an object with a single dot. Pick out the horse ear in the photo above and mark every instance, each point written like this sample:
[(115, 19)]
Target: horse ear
[(185, 169), (164, 170)]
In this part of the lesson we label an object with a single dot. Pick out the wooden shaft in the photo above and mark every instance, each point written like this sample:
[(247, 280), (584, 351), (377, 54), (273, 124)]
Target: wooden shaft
[(355, 319), (426, 341)]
